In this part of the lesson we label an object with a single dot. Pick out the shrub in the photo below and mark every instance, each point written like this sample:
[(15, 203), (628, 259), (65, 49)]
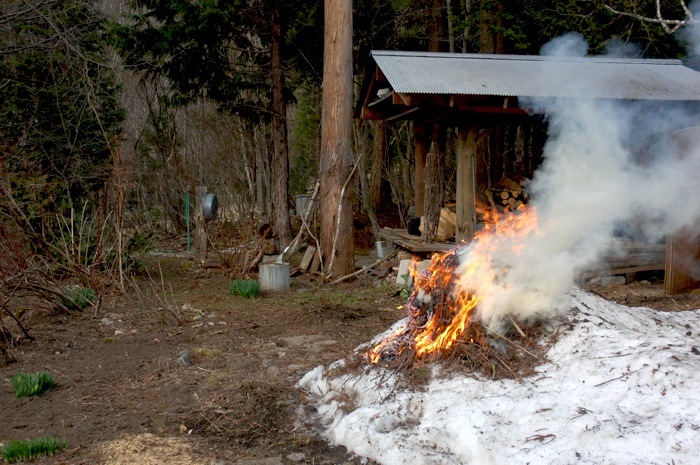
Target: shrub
[(246, 288), (77, 298), (32, 384), (16, 451)]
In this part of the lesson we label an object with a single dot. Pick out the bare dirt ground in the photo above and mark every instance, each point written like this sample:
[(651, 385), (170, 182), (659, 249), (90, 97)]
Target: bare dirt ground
[(125, 395), (122, 396), (647, 290)]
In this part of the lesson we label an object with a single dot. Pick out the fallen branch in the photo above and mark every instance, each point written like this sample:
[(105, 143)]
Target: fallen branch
[(517, 345), (621, 376), (541, 438)]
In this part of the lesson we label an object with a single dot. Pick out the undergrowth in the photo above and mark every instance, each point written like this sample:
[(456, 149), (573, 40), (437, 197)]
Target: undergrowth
[(32, 384), (17, 451), (246, 288), (77, 298)]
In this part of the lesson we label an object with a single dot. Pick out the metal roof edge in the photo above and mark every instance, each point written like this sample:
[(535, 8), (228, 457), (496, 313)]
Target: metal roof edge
[(485, 56)]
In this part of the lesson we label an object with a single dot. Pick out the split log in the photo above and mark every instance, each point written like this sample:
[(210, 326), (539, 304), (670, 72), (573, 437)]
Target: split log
[(508, 198), (506, 183), (306, 259)]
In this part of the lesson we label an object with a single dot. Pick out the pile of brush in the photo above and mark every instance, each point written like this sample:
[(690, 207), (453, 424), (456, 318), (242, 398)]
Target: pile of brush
[(437, 328)]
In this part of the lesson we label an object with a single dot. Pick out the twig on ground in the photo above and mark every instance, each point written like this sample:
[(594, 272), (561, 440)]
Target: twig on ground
[(516, 326), (618, 377), (518, 346), (541, 438)]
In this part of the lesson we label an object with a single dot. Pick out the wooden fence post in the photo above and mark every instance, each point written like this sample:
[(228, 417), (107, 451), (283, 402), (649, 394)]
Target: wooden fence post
[(201, 238)]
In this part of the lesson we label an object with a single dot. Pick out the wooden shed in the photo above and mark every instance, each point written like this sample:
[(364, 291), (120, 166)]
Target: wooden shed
[(473, 91)]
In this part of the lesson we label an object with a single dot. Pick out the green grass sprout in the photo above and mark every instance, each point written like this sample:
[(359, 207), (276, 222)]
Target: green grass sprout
[(77, 298), (246, 288), (32, 384), (17, 451)]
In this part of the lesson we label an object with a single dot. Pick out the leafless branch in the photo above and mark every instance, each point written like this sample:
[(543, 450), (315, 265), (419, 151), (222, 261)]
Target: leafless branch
[(669, 25)]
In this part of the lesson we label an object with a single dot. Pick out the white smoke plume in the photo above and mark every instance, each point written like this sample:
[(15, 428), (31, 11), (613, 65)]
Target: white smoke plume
[(691, 32), (607, 165)]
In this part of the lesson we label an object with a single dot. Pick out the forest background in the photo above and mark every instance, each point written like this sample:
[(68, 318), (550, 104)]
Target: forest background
[(114, 111)]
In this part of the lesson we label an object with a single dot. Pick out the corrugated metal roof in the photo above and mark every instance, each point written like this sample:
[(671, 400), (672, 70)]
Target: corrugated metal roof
[(534, 76)]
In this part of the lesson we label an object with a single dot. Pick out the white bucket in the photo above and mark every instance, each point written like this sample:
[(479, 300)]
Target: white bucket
[(274, 277), (384, 248)]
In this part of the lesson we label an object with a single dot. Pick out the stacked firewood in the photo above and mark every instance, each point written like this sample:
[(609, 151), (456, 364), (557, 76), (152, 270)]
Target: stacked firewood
[(507, 194)]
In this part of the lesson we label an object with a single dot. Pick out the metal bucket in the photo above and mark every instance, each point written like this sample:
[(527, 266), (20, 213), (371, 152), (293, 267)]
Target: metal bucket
[(210, 206), (274, 277)]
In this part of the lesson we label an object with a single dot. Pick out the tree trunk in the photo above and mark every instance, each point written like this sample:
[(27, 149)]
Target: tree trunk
[(435, 27), (434, 181), (280, 167), (421, 142), (466, 189), (376, 177), (450, 29), (336, 126), (365, 184), (485, 28)]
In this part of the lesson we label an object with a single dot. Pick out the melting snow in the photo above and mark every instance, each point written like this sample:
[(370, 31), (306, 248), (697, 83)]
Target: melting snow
[(622, 386)]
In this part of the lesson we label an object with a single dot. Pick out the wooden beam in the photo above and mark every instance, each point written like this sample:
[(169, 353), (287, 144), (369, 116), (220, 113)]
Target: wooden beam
[(379, 75), (369, 113), (485, 109), (400, 99), (466, 184), (402, 115), (379, 100)]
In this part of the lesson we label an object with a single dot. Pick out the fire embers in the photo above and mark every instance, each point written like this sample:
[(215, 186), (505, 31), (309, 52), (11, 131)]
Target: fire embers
[(437, 315), (444, 307)]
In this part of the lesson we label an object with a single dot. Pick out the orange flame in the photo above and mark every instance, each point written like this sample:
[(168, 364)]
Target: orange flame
[(444, 297)]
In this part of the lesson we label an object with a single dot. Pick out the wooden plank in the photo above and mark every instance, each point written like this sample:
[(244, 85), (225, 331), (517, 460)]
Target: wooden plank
[(201, 238), (682, 252), (683, 247), (315, 263), (306, 259)]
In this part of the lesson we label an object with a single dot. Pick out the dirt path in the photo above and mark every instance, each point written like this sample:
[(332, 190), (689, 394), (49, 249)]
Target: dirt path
[(125, 394)]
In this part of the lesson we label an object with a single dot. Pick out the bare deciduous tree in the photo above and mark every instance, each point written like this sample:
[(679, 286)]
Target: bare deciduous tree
[(669, 25)]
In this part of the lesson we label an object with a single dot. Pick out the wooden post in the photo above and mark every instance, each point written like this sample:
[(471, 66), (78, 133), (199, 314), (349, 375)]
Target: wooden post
[(682, 247), (466, 187), (682, 255), (201, 238), (421, 146)]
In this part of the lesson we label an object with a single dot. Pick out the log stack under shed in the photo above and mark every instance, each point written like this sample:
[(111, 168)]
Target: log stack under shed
[(507, 194)]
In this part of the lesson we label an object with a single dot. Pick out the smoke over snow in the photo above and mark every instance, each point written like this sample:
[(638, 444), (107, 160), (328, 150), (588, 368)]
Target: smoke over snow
[(607, 166)]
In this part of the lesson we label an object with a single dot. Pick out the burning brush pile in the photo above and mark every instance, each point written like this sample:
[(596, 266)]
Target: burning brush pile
[(444, 319)]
